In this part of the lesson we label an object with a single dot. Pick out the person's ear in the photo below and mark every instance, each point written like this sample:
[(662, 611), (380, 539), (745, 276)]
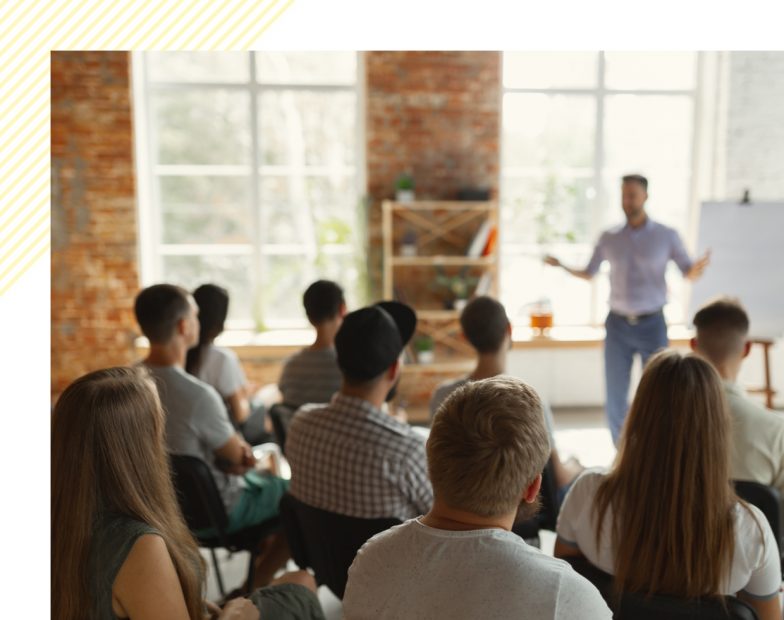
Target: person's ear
[(343, 310), (693, 344), (394, 370), (509, 329), (746, 348), (532, 491), (182, 326)]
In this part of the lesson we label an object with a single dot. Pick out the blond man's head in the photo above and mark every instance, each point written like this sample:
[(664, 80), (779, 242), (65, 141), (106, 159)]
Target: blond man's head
[(487, 445)]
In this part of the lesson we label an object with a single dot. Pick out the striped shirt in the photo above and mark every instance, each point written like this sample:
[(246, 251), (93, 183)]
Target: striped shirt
[(353, 459), (310, 376)]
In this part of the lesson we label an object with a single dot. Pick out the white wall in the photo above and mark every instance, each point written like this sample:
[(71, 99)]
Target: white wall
[(575, 377)]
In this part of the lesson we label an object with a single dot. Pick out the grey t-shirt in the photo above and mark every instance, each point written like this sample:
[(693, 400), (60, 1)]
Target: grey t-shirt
[(310, 376), (415, 571), (197, 424)]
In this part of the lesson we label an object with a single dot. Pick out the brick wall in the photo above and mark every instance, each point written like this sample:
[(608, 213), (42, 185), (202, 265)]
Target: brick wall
[(755, 125), (436, 115), (94, 261)]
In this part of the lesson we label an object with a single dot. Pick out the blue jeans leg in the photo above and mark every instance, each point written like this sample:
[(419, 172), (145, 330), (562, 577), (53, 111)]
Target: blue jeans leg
[(651, 336), (618, 356)]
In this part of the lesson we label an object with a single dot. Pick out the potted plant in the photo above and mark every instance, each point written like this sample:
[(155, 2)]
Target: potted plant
[(404, 188), (424, 347), (459, 287), (408, 244)]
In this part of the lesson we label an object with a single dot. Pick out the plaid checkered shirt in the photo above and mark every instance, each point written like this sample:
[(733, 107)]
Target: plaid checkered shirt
[(351, 458)]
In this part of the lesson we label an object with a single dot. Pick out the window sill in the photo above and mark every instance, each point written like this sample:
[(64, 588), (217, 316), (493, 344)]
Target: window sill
[(279, 344)]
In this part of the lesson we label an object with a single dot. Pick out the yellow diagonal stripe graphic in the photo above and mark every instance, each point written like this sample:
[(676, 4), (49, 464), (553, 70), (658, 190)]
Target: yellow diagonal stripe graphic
[(31, 30)]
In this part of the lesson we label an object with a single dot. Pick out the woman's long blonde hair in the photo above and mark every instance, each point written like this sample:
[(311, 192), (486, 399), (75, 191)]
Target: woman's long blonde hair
[(670, 491), (109, 456)]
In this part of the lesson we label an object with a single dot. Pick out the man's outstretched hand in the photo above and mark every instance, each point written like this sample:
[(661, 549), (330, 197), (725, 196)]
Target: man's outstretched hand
[(699, 266)]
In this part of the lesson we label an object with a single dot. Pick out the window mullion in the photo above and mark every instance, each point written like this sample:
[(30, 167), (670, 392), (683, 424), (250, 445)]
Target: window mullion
[(256, 274)]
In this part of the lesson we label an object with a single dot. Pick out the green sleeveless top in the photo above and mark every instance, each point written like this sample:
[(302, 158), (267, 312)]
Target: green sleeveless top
[(113, 537)]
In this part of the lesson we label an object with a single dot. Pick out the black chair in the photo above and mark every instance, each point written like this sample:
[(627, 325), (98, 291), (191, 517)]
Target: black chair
[(202, 507), (325, 541), (640, 607), (281, 416), (768, 500), (547, 516)]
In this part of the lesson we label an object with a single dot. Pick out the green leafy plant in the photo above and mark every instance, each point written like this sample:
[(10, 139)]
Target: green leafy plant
[(405, 182), (458, 285), (424, 343)]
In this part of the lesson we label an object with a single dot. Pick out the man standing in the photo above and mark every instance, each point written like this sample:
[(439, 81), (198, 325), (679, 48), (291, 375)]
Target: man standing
[(638, 252)]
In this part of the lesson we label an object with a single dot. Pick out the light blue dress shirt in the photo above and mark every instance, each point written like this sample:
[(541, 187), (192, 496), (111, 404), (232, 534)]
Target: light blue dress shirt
[(638, 261)]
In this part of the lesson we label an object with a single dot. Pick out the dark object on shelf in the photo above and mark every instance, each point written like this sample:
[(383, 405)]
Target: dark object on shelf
[(473, 193)]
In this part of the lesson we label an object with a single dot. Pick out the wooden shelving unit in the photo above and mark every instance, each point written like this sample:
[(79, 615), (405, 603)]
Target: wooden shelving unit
[(444, 231)]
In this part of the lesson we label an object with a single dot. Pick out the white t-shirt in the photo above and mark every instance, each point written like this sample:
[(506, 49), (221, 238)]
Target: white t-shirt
[(221, 368), (756, 567), (415, 571)]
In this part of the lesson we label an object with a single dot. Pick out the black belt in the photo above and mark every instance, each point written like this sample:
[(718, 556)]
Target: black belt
[(633, 319)]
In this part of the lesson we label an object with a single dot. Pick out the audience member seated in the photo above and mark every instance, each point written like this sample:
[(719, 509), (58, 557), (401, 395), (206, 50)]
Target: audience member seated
[(487, 328), (349, 456), (120, 547), (756, 434), (487, 447), (665, 519), (198, 424), (312, 375), (220, 367)]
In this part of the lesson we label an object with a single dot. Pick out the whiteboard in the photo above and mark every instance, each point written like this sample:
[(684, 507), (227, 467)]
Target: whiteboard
[(747, 261)]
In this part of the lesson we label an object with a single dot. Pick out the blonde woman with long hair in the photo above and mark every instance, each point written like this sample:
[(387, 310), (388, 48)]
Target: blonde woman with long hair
[(120, 547), (665, 519)]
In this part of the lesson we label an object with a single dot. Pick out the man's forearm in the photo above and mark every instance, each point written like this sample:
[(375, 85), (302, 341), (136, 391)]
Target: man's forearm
[(578, 273)]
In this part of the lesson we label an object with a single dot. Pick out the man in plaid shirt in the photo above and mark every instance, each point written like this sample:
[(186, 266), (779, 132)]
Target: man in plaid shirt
[(351, 457)]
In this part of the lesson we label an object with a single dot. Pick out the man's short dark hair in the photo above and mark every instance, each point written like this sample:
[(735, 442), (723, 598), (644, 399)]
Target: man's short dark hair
[(322, 301), (485, 324), (636, 178), (722, 326), (158, 308)]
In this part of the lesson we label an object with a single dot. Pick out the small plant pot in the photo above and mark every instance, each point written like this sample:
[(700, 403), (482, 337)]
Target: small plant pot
[(404, 195), (426, 357), (459, 304), (408, 249)]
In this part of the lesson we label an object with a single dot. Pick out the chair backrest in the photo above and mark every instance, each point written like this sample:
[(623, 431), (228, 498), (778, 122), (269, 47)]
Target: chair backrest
[(547, 516), (325, 541), (281, 416), (198, 495), (639, 607), (768, 500)]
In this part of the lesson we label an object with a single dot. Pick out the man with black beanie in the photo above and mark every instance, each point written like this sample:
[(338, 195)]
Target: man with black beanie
[(351, 457)]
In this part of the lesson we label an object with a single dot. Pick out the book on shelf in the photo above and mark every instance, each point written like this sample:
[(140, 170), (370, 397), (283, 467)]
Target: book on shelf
[(492, 239), (479, 242), (484, 284)]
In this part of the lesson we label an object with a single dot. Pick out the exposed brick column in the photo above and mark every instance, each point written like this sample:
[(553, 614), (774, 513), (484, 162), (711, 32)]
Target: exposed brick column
[(437, 115), (94, 256)]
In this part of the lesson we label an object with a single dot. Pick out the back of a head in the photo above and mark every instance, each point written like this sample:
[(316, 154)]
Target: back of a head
[(487, 444), (671, 482), (109, 456), (213, 302), (158, 308), (485, 324), (722, 327), (322, 300)]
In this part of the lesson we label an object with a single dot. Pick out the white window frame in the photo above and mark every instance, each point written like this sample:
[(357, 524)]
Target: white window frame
[(151, 250)]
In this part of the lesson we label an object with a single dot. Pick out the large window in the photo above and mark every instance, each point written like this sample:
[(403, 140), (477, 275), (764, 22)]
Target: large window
[(249, 174), (573, 124)]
